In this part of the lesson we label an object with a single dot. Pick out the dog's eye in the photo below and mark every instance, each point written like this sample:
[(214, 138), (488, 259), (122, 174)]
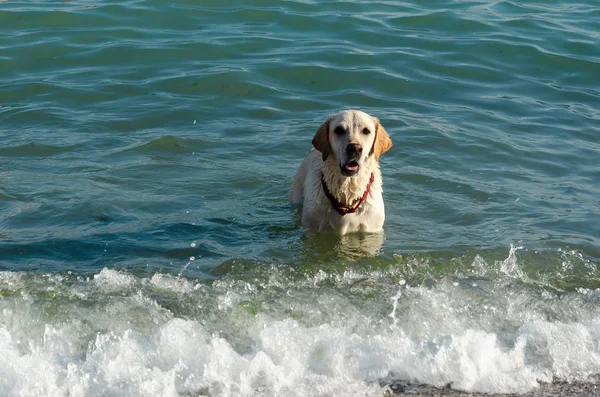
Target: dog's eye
[(339, 130), (366, 131)]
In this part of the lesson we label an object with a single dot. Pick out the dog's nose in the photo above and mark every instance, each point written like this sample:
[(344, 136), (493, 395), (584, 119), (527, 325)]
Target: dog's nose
[(354, 149)]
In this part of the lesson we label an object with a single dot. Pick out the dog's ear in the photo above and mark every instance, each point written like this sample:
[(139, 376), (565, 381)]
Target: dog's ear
[(321, 139), (382, 143)]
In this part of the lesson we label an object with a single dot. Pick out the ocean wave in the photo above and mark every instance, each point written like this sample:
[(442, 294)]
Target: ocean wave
[(278, 330)]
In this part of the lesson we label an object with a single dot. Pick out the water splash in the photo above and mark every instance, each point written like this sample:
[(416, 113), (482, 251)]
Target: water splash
[(395, 299), (510, 265)]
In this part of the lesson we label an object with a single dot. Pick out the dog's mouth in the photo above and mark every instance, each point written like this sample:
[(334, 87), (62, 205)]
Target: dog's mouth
[(350, 168)]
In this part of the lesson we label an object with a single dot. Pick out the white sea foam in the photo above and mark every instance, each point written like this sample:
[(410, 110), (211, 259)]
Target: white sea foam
[(180, 358), (171, 283), (113, 280), (316, 337)]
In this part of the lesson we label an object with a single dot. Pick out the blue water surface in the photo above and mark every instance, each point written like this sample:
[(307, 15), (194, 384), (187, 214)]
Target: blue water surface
[(151, 137)]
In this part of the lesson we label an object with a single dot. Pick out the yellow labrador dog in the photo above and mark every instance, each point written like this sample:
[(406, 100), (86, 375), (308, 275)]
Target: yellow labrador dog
[(339, 183)]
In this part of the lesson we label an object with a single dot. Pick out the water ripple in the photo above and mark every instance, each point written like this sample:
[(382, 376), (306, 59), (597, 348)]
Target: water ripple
[(492, 107)]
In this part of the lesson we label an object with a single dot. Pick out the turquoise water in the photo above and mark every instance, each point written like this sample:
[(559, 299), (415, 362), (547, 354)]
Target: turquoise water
[(147, 148)]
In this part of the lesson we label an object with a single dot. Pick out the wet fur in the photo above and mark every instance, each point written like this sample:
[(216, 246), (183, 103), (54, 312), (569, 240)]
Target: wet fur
[(328, 159)]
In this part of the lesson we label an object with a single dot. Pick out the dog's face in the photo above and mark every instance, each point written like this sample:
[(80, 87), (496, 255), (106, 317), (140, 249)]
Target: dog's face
[(352, 137)]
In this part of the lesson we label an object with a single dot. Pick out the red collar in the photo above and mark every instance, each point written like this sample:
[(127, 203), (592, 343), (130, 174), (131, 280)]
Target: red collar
[(341, 208)]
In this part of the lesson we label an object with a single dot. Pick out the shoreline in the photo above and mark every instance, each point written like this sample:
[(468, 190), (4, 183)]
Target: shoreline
[(555, 389)]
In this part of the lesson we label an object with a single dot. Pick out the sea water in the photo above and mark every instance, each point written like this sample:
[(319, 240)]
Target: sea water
[(146, 152)]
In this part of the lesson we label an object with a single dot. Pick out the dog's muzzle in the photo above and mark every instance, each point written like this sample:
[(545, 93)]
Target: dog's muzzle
[(353, 152)]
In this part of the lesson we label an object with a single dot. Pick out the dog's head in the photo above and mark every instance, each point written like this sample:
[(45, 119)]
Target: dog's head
[(351, 137)]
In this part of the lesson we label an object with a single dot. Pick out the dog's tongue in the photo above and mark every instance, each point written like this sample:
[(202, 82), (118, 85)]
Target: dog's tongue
[(352, 167)]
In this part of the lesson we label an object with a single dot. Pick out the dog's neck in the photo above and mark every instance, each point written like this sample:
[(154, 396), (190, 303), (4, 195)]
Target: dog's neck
[(349, 190)]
